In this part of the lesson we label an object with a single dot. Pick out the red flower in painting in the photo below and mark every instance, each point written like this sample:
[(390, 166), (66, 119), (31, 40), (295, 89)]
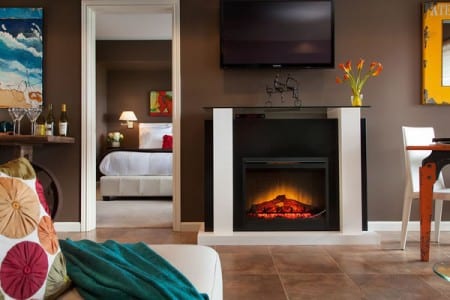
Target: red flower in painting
[(24, 269)]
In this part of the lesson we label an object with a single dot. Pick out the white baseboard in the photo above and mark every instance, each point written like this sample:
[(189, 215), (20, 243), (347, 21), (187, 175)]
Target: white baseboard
[(67, 226), (397, 226)]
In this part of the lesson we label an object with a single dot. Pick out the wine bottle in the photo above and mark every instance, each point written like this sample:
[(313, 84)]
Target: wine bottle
[(63, 122), (50, 121), (40, 126)]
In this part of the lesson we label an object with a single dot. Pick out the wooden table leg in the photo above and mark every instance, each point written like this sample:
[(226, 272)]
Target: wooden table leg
[(427, 180)]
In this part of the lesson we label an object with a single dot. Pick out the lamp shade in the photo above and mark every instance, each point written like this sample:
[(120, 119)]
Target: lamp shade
[(129, 117)]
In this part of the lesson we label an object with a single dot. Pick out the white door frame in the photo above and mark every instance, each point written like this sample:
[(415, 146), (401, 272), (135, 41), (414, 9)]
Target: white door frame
[(89, 8)]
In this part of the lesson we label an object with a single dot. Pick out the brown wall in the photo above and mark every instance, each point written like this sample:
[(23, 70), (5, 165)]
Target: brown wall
[(384, 30)]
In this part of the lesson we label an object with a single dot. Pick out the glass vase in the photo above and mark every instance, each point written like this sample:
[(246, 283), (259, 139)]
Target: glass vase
[(356, 99)]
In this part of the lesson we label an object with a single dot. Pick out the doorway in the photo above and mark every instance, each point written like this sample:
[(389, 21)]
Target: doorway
[(90, 9)]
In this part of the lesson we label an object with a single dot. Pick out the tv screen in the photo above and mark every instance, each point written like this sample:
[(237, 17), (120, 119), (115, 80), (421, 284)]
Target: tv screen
[(277, 33)]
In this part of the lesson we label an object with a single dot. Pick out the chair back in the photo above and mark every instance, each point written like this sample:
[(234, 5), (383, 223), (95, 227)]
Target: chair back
[(417, 136)]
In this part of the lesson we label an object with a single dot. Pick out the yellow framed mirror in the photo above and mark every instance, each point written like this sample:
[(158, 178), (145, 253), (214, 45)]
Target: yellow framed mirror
[(436, 53)]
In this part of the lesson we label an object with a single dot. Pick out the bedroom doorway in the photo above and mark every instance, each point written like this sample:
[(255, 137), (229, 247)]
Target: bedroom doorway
[(91, 9)]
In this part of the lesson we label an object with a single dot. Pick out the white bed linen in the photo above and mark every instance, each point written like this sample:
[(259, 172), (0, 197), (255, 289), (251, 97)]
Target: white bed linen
[(130, 163), (151, 134)]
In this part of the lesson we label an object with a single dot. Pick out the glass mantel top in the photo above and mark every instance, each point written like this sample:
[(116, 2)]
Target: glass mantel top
[(275, 112), (287, 108)]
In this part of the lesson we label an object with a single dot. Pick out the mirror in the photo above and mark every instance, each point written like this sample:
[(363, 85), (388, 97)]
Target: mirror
[(436, 53)]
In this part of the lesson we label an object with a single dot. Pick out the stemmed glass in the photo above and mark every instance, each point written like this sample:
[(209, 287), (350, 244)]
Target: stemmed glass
[(32, 114), (16, 113)]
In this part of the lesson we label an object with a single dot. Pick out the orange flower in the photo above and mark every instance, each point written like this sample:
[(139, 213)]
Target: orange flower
[(378, 70), (357, 81), (348, 66), (360, 64)]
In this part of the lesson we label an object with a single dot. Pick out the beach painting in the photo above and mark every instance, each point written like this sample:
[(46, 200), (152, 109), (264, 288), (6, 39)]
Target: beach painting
[(21, 57)]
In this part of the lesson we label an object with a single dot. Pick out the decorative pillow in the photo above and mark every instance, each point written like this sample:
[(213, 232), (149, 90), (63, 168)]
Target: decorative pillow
[(167, 141), (31, 261), (41, 194), (151, 134)]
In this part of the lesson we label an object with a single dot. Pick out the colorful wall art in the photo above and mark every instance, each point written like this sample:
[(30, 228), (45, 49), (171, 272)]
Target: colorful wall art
[(21, 57), (161, 103)]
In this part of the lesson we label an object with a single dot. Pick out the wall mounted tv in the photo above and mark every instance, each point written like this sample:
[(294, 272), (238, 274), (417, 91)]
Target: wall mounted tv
[(277, 33)]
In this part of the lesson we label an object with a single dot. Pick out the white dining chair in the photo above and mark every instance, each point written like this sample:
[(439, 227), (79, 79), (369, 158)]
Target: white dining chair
[(415, 136)]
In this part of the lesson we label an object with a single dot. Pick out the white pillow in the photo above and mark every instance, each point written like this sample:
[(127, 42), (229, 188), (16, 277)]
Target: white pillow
[(151, 134)]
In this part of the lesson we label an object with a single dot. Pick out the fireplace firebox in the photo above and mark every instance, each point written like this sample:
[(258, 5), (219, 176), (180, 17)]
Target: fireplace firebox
[(285, 194)]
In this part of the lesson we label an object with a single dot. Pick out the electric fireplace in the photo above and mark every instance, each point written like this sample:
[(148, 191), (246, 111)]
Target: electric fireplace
[(336, 216), (285, 193)]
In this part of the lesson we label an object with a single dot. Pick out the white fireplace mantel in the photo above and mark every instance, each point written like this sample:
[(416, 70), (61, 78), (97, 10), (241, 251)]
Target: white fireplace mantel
[(349, 189)]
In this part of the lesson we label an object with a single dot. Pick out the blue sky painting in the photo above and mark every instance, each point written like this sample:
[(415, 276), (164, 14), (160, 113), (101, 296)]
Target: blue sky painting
[(21, 57)]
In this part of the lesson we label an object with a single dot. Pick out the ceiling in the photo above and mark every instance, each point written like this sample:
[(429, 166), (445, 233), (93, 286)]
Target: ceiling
[(134, 26)]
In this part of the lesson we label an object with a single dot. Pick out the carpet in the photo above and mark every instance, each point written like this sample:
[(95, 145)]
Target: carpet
[(129, 214)]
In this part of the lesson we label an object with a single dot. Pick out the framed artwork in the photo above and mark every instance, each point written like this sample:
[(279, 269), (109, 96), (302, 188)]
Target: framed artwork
[(21, 57), (161, 103), (436, 53)]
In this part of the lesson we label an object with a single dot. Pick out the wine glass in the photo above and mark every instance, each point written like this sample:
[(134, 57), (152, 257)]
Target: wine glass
[(16, 113), (13, 117), (19, 113), (32, 114)]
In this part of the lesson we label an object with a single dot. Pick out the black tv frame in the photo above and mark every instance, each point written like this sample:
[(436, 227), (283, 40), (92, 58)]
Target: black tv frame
[(274, 65)]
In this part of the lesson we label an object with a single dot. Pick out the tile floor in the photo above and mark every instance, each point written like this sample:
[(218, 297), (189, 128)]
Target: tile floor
[(313, 272)]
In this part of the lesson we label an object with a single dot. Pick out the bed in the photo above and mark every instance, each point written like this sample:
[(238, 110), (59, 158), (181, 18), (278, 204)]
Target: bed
[(142, 172)]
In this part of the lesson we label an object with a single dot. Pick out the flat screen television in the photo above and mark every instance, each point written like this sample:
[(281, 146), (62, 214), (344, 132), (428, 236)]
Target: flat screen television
[(277, 33)]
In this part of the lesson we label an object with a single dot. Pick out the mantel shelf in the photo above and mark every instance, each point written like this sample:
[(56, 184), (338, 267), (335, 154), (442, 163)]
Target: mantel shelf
[(289, 108), (34, 140)]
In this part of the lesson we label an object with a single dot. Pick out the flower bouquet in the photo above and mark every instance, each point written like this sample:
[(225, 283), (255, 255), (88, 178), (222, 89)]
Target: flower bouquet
[(114, 138), (358, 79)]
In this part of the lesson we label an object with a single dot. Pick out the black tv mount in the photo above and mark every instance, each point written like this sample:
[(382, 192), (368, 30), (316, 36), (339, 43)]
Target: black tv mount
[(281, 87)]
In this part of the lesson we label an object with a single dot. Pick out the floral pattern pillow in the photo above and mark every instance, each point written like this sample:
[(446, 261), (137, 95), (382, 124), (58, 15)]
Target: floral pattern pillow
[(31, 261)]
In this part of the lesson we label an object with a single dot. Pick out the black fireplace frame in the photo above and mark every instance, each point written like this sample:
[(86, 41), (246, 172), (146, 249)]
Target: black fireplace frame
[(289, 138)]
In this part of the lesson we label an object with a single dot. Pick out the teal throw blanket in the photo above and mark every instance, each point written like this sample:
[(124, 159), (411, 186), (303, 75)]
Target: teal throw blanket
[(111, 270)]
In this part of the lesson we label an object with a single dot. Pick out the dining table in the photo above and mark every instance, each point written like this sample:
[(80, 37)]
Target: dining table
[(429, 173)]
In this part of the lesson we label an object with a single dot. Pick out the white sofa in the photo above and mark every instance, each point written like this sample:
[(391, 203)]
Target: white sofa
[(200, 264)]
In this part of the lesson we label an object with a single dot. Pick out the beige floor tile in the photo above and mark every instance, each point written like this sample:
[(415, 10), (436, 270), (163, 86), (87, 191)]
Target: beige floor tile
[(299, 262), (320, 286), (387, 287), (247, 263), (249, 287)]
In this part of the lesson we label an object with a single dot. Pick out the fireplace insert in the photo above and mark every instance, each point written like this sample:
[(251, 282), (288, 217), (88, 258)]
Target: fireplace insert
[(285, 194)]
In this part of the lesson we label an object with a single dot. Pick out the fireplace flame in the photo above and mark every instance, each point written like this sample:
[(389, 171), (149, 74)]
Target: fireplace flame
[(282, 207), (289, 191)]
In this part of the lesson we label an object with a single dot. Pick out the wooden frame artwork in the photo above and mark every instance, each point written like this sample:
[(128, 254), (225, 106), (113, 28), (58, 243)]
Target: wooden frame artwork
[(436, 53), (21, 59), (161, 103)]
